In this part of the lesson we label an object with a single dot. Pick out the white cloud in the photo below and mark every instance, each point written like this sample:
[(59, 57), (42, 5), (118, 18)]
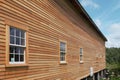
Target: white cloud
[(112, 42), (89, 3), (115, 28), (114, 36)]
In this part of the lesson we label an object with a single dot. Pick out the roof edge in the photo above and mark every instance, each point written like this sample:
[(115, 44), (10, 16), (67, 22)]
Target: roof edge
[(90, 19)]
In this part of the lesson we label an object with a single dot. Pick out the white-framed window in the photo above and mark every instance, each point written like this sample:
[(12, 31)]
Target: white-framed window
[(81, 54), (17, 45), (62, 51)]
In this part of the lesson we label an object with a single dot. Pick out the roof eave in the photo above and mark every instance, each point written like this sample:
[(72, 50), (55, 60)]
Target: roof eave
[(89, 18)]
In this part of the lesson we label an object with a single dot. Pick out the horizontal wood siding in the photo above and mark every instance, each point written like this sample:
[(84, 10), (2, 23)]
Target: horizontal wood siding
[(2, 48), (49, 22)]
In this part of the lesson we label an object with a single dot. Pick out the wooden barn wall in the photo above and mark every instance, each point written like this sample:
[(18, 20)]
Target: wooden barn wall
[(2, 48), (49, 21)]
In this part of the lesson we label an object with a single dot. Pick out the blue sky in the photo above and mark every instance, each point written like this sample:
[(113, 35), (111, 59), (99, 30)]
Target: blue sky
[(106, 15)]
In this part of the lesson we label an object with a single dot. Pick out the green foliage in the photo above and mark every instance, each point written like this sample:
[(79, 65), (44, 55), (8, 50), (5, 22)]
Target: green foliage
[(113, 55), (113, 62), (114, 78)]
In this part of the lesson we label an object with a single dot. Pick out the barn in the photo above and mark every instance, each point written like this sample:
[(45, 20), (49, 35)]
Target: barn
[(49, 40)]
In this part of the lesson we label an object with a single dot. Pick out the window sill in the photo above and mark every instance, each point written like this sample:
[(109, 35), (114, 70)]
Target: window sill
[(81, 62), (63, 62), (17, 65)]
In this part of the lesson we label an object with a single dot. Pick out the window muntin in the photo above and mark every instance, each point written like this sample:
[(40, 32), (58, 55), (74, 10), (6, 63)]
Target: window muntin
[(17, 46), (62, 51), (17, 36), (81, 54)]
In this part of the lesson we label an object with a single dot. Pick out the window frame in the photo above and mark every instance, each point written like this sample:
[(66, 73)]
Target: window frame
[(18, 26), (81, 55), (65, 61), (17, 45)]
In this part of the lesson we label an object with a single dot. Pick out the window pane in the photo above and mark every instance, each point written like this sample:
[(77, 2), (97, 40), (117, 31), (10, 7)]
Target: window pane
[(12, 40), (12, 31), (18, 41), (80, 57), (22, 41), (23, 34), (11, 58), (16, 57), (62, 53), (21, 50), (18, 32), (81, 53), (21, 57), (81, 50), (17, 50), (12, 49), (62, 56), (62, 46), (62, 49)]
